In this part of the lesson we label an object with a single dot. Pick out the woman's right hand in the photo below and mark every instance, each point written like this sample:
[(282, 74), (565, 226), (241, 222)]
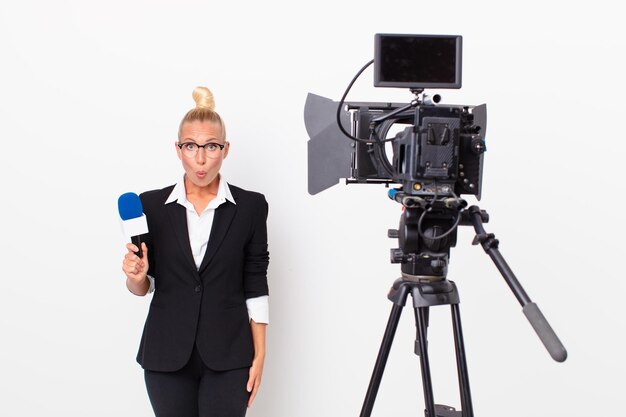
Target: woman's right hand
[(135, 268)]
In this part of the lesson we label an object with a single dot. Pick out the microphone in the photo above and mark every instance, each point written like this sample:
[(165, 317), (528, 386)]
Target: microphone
[(134, 222)]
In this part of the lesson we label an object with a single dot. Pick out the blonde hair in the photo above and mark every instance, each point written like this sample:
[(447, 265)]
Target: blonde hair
[(204, 110)]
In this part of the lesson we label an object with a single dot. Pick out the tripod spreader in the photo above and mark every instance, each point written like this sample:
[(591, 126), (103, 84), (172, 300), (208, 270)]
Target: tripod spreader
[(531, 310)]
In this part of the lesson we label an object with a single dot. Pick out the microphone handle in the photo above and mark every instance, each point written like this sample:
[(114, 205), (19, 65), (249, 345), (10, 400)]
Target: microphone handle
[(136, 240)]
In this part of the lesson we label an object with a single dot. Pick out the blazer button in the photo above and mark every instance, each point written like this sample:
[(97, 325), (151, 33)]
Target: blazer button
[(198, 288)]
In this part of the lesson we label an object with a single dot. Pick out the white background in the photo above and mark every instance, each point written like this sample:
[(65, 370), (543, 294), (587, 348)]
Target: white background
[(91, 94)]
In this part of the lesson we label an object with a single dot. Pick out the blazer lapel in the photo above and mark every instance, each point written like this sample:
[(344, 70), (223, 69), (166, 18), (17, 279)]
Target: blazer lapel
[(178, 216), (224, 215)]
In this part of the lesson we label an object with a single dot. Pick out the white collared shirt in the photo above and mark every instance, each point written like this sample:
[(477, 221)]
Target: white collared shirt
[(199, 229), (199, 225)]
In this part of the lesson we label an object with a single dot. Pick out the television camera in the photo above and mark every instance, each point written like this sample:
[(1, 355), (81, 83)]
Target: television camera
[(432, 154)]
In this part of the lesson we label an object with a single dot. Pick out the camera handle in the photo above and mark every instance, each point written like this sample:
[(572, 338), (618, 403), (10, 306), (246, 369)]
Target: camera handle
[(425, 99), (537, 320)]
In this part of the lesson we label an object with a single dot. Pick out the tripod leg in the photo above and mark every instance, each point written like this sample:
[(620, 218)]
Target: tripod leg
[(417, 341), (466, 399), (381, 360), (421, 317)]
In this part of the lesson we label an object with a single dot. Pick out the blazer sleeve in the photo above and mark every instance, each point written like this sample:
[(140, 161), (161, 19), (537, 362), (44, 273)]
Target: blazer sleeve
[(256, 256)]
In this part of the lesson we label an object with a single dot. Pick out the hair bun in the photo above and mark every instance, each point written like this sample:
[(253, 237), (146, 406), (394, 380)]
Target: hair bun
[(203, 98)]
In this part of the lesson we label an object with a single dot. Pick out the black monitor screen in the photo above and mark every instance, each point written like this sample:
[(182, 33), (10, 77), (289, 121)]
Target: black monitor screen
[(417, 61)]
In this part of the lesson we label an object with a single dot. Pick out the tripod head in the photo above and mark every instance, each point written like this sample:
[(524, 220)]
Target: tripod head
[(427, 231)]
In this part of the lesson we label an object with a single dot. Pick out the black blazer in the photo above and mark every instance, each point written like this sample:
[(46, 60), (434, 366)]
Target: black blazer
[(205, 306)]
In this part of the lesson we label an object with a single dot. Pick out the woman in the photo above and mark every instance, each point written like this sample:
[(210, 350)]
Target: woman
[(205, 258)]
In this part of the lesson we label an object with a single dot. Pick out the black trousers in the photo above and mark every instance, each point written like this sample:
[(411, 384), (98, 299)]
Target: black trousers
[(197, 391)]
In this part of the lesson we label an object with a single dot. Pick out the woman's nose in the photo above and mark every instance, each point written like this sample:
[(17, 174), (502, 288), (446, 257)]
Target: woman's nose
[(201, 156)]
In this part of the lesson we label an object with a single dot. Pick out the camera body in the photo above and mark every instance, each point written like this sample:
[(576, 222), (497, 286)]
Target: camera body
[(438, 150)]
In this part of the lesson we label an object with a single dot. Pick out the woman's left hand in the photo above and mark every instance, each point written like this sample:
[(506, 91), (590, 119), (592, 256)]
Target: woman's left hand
[(254, 380)]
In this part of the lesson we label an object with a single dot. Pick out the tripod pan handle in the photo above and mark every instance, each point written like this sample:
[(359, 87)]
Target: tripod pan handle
[(545, 332)]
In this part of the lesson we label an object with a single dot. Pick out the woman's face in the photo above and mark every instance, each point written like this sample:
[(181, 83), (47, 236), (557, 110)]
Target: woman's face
[(201, 169)]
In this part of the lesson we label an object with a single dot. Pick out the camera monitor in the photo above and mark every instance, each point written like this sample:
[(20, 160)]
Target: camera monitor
[(417, 61)]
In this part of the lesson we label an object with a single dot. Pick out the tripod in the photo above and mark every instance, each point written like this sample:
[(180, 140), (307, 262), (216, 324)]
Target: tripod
[(426, 236)]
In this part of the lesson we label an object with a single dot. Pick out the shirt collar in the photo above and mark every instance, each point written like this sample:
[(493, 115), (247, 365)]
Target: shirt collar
[(180, 195)]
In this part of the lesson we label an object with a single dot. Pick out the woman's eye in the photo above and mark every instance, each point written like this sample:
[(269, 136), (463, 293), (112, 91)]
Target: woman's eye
[(212, 147), (190, 146)]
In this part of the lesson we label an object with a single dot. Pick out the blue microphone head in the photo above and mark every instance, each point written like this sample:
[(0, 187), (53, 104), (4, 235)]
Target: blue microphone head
[(129, 206)]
